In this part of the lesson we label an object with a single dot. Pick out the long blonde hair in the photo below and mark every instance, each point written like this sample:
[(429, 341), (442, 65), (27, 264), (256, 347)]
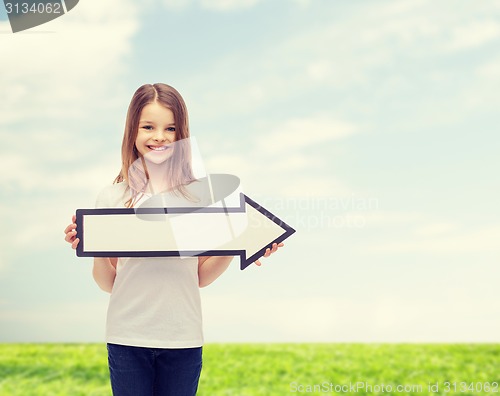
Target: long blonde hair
[(180, 172)]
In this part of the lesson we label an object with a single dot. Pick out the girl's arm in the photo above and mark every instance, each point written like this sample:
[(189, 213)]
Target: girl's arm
[(211, 267), (104, 272)]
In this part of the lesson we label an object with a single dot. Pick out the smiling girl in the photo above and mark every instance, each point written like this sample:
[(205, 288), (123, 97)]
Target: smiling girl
[(154, 325)]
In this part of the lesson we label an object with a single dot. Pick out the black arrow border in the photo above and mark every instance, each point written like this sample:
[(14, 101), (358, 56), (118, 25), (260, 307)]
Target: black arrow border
[(245, 261)]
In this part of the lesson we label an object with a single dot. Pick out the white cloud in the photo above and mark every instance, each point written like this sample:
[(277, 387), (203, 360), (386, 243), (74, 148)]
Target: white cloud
[(435, 229), (177, 4), (490, 70), (228, 5), (408, 25), (422, 232), (296, 133), (473, 35), (279, 176), (390, 40), (320, 70), (26, 173), (481, 240), (304, 3), (314, 186), (212, 5), (295, 171), (330, 55), (385, 218)]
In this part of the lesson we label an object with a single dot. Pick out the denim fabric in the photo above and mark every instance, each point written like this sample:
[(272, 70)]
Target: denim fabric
[(140, 371)]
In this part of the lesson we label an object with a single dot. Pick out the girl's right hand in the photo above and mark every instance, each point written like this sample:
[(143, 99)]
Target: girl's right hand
[(70, 232)]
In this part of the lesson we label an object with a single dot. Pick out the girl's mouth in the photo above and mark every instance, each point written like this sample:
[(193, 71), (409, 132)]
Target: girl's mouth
[(157, 148)]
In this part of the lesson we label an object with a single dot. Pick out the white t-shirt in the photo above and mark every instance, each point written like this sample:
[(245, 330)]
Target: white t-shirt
[(155, 301)]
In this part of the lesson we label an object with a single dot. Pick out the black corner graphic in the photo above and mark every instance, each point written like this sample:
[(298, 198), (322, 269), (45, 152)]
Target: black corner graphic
[(26, 14)]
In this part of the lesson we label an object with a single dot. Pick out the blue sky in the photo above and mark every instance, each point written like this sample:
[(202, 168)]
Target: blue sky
[(370, 127)]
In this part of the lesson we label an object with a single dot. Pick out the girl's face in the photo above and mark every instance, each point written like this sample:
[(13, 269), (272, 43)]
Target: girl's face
[(156, 133)]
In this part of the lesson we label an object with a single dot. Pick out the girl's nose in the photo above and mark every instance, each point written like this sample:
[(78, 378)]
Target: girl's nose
[(160, 136)]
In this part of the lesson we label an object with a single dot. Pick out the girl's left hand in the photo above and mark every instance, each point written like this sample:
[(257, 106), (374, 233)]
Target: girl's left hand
[(269, 252), (70, 233)]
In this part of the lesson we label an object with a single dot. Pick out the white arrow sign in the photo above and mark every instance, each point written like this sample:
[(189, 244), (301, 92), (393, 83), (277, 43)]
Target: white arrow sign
[(246, 231)]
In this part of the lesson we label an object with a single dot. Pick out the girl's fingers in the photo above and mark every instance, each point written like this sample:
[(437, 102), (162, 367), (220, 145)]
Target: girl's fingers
[(70, 236), (258, 263), (276, 246), (268, 251), (72, 225), (70, 232), (69, 228)]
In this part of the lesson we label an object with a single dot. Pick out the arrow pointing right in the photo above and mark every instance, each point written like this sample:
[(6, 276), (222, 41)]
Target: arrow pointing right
[(245, 231)]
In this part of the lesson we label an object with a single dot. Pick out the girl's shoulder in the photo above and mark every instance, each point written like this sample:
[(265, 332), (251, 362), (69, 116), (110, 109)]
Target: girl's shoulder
[(114, 195)]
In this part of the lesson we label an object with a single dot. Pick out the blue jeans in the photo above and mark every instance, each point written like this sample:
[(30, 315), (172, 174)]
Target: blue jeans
[(139, 371)]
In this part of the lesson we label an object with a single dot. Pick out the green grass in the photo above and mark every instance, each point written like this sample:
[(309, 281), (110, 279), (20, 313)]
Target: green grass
[(262, 369)]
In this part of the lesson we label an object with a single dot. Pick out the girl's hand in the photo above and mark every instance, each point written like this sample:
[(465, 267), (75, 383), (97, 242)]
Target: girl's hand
[(269, 252), (70, 232)]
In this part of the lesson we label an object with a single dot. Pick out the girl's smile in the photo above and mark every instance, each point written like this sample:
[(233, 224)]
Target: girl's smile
[(158, 148)]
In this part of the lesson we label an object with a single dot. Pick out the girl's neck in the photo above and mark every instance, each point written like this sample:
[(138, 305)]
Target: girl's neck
[(157, 178)]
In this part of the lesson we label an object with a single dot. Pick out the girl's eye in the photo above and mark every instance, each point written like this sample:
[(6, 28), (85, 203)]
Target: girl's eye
[(171, 129), (147, 127)]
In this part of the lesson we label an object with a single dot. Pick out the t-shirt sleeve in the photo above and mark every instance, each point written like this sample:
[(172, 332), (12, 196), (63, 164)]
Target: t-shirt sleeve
[(113, 196), (103, 198)]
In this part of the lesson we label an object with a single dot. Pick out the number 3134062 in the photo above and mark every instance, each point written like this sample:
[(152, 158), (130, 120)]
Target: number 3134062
[(463, 387), (35, 8)]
